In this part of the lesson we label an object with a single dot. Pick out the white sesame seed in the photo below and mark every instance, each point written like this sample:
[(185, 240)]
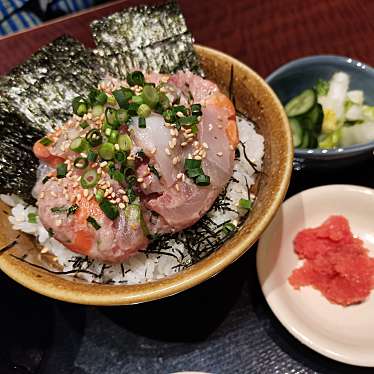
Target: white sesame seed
[(180, 114), (79, 178), (118, 200), (220, 154), (252, 196), (66, 196), (112, 201), (180, 175), (144, 185), (103, 164), (44, 250), (125, 198), (90, 197), (189, 136), (197, 157), (167, 151), (210, 127), (85, 193), (122, 205), (177, 187), (53, 194), (140, 180), (175, 160), (79, 196), (116, 146), (121, 191), (58, 222), (69, 174), (99, 170), (231, 147), (220, 126), (153, 151), (206, 146), (184, 144), (195, 144), (187, 131), (83, 154), (113, 195)]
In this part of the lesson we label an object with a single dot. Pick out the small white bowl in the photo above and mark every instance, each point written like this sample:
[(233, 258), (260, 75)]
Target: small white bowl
[(344, 334)]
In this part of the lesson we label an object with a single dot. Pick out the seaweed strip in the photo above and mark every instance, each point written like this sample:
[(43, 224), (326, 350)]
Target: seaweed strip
[(150, 38)]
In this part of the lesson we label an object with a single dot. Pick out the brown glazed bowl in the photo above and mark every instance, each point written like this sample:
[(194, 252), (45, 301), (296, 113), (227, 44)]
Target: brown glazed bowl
[(253, 98)]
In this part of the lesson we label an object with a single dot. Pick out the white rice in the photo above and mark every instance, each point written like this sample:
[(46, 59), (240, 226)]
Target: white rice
[(146, 267)]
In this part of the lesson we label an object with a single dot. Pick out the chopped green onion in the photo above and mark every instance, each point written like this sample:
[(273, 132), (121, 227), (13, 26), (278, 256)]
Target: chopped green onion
[(180, 108), (108, 131), (202, 180), (229, 227), (188, 121), (122, 116), (154, 170), (72, 209), (194, 129), (144, 111), (46, 179), (91, 156), (125, 143), (89, 179), (107, 151), (120, 156), (190, 163), (79, 106), (99, 195), (80, 162), (131, 194), (150, 96), (113, 136), (130, 164), (61, 170), (196, 110), (118, 176), (245, 204), (94, 137), (101, 98), (169, 116), (133, 109), (45, 141), (164, 101), (141, 123), (136, 78), (193, 173), (111, 100), (79, 145), (122, 97), (109, 209), (84, 125), (111, 117), (32, 217), (92, 221), (137, 100), (131, 179), (97, 110)]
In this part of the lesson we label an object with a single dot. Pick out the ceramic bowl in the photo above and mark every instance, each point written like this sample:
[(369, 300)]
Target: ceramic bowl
[(253, 98), (294, 77)]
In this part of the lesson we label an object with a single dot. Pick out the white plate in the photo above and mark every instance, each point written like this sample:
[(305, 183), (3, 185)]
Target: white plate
[(344, 334)]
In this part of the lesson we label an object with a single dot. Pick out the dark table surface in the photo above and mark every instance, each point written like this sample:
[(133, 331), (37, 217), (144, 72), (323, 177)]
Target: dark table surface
[(223, 325)]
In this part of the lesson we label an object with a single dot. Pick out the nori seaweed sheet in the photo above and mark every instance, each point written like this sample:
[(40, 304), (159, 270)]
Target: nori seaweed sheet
[(35, 98), (43, 87), (17, 162), (150, 38)]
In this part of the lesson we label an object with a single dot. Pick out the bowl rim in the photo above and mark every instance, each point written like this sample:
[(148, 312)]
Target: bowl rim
[(184, 280), (335, 153)]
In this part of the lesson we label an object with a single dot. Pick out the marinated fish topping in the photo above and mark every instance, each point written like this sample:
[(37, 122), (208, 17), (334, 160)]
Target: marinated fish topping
[(140, 157)]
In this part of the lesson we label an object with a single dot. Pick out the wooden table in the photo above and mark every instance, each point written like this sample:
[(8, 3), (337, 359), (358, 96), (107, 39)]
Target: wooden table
[(262, 33)]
